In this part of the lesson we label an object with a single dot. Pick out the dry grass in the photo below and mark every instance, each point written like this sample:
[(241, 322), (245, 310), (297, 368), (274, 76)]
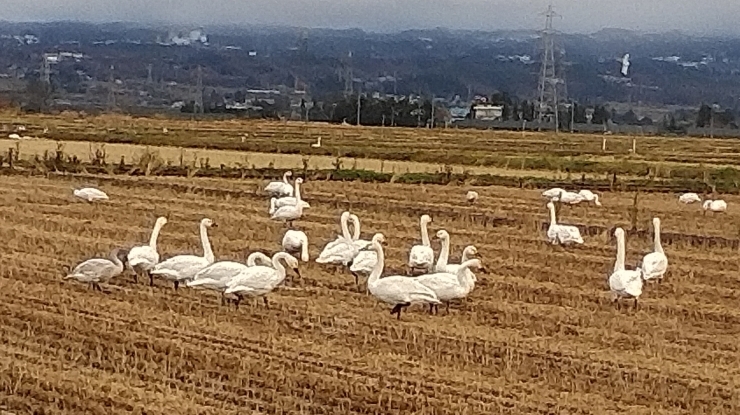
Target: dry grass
[(537, 336)]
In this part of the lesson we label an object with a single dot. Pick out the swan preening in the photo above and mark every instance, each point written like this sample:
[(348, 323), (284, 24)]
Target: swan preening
[(624, 283), (296, 241), (90, 194), (471, 196), (183, 268), (317, 144)]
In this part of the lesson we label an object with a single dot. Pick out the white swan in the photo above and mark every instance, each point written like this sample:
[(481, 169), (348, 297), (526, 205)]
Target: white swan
[(97, 270), (444, 255), (561, 234), (290, 200), (290, 213), (397, 290), (716, 206), (590, 196), (344, 223), (90, 194), (215, 276), (317, 144), (296, 241), (554, 192), (184, 267), (472, 196), (260, 280), (280, 189), (143, 258), (623, 282), (449, 286), (422, 256), (655, 264), (569, 198), (689, 198)]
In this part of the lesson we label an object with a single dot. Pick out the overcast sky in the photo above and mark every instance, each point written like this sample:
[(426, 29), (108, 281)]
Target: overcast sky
[(693, 16)]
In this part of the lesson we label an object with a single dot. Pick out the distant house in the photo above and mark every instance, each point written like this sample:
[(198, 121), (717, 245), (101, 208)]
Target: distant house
[(459, 113), (488, 112)]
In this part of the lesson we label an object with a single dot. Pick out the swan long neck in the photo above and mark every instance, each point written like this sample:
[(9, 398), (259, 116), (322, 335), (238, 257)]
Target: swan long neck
[(374, 276), (619, 263), (298, 193), (553, 220), (207, 251), (444, 253), (255, 256), (285, 178), (114, 258), (356, 226), (424, 234), (345, 227), (155, 235), (658, 245), (304, 249), (278, 265), (462, 273)]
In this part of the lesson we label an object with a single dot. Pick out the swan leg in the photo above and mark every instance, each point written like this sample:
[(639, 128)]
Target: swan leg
[(635, 303), (357, 279), (177, 284), (447, 304), (396, 309), (267, 304), (431, 308), (616, 303), (237, 301), (151, 278)]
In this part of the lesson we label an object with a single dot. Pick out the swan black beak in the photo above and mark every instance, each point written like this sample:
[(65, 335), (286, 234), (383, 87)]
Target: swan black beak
[(298, 272), (214, 225)]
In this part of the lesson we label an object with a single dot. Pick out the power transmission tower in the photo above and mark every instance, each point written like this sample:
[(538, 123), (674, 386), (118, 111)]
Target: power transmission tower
[(198, 104), (347, 74), (111, 104), (550, 82)]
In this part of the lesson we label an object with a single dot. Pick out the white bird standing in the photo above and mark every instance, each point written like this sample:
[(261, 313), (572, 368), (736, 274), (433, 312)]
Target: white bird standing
[(182, 268), (215, 276), (655, 264), (290, 213), (689, 198), (280, 189), (449, 286), (397, 290), (317, 144), (472, 196), (289, 200), (296, 241), (143, 258), (422, 256), (569, 198), (716, 206), (623, 282), (561, 234), (260, 280), (590, 196), (90, 194), (97, 270)]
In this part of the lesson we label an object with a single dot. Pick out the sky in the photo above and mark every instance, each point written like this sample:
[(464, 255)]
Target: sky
[(583, 16)]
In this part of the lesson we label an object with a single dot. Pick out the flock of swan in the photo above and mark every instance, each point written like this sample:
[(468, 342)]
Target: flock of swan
[(427, 282)]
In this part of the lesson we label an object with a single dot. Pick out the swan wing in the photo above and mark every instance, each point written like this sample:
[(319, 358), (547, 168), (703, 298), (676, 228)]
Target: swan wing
[(287, 213), (181, 267), (399, 289), (626, 282), (143, 256), (258, 279), (445, 286), (654, 265), (421, 256), (364, 262), (567, 233), (341, 253), (92, 269)]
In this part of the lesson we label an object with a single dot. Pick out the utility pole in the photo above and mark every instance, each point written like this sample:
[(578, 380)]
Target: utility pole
[(547, 105), (431, 122), (111, 90), (359, 105), (198, 105)]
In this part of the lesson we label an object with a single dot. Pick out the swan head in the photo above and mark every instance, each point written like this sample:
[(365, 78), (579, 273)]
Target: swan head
[(426, 219), (470, 250), (619, 233), (706, 204), (292, 262), (442, 234), (378, 238), (161, 221), (656, 222), (299, 180), (208, 223), (345, 216), (475, 263), (288, 173), (550, 205)]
